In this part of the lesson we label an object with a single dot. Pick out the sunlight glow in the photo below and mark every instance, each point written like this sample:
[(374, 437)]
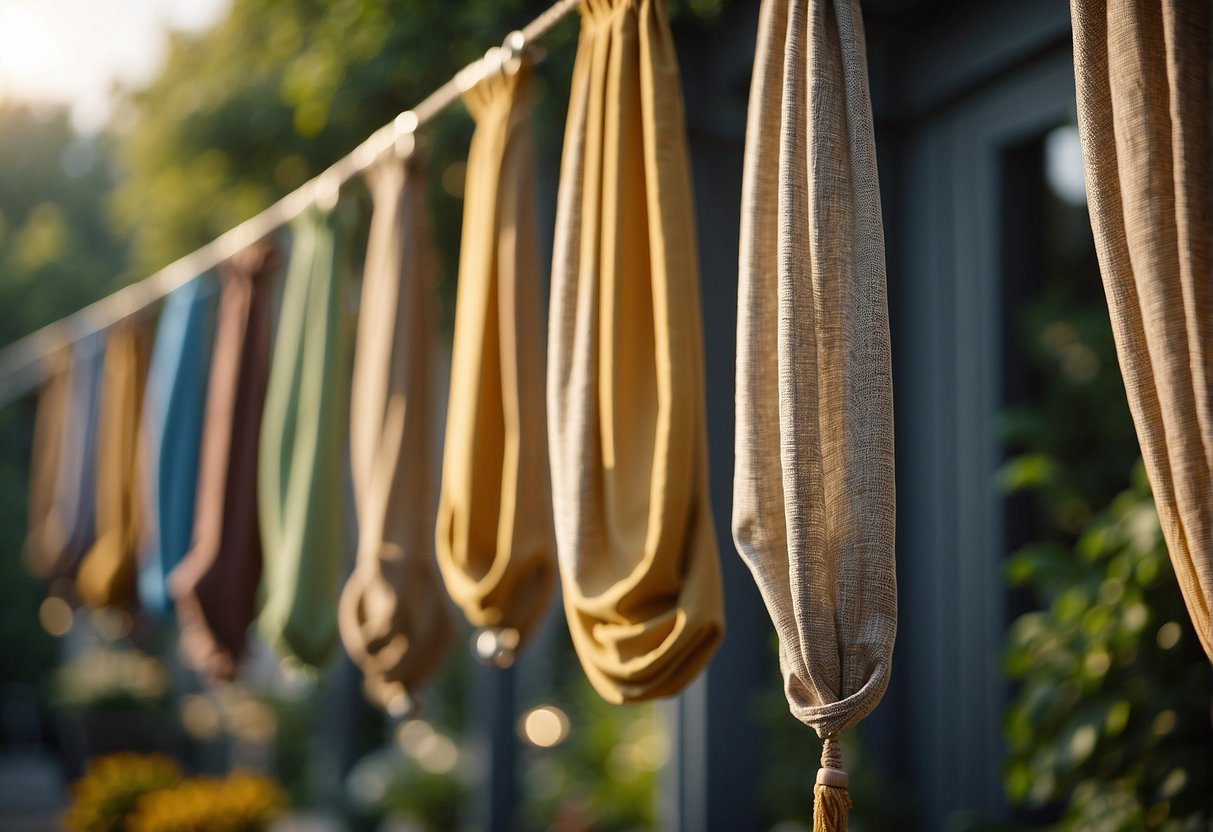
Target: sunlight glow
[(30, 50)]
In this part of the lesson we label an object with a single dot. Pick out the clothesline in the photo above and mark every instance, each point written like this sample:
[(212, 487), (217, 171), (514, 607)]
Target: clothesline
[(21, 363)]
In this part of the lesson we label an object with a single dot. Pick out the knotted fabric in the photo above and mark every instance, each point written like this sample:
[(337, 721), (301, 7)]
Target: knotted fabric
[(393, 618), (627, 434), (68, 529), (496, 546), (813, 491), (44, 530), (172, 427), (1142, 77), (108, 572), (301, 472), (215, 585)]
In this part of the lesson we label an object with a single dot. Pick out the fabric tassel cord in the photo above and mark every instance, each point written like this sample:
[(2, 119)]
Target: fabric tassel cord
[(831, 800)]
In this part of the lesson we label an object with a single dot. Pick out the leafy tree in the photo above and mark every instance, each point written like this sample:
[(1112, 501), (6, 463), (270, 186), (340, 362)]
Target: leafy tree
[(57, 253), (1109, 729)]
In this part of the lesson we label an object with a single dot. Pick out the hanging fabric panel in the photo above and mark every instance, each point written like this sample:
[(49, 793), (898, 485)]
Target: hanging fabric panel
[(70, 528), (1142, 76), (108, 572), (496, 545), (393, 618), (301, 472), (627, 434), (172, 418), (44, 530), (215, 585), (813, 498)]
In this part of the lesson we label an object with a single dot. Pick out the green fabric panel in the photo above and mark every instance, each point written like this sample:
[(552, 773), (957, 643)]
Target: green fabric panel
[(301, 471)]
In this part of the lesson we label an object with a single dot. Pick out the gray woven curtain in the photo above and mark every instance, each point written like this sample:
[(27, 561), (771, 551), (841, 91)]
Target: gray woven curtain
[(1142, 76), (813, 500), (393, 616)]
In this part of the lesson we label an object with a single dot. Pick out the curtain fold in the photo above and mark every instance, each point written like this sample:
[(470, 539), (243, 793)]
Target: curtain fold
[(301, 471), (44, 530), (172, 426), (627, 435), (495, 541), (1142, 79), (68, 530), (214, 587), (393, 617), (813, 496), (108, 572)]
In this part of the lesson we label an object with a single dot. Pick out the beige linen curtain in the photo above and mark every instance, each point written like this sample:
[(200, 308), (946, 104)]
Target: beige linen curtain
[(627, 435), (813, 498), (1142, 74), (108, 572), (393, 617), (496, 545)]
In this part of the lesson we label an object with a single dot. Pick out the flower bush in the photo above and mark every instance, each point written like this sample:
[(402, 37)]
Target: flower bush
[(105, 798), (237, 803), (147, 793)]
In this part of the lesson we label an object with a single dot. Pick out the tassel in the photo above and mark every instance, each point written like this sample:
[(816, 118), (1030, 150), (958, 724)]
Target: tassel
[(831, 800)]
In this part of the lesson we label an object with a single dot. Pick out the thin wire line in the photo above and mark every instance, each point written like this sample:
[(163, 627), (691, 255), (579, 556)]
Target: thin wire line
[(22, 363)]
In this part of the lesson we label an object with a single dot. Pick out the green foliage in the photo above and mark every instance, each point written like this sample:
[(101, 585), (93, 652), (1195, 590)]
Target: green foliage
[(604, 775), (57, 253), (1109, 728), (1112, 717)]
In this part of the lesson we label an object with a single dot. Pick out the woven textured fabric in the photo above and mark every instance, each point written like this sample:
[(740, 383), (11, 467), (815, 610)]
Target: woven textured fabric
[(44, 530), (214, 587), (1142, 76), (69, 527), (627, 434), (172, 427), (108, 572), (813, 492), (301, 478), (496, 546), (393, 618)]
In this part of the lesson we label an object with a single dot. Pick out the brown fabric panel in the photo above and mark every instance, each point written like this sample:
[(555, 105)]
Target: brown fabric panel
[(393, 617), (215, 585), (627, 435), (1142, 76), (107, 573), (44, 527), (495, 540), (813, 505)]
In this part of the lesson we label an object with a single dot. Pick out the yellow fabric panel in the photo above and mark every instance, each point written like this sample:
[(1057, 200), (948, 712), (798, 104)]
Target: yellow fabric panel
[(627, 436), (108, 571), (1142, 77), (44, 526), (495, 543)]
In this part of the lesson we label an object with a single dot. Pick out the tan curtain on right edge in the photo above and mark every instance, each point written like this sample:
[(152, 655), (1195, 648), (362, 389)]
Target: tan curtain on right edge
[(1142, 74)]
